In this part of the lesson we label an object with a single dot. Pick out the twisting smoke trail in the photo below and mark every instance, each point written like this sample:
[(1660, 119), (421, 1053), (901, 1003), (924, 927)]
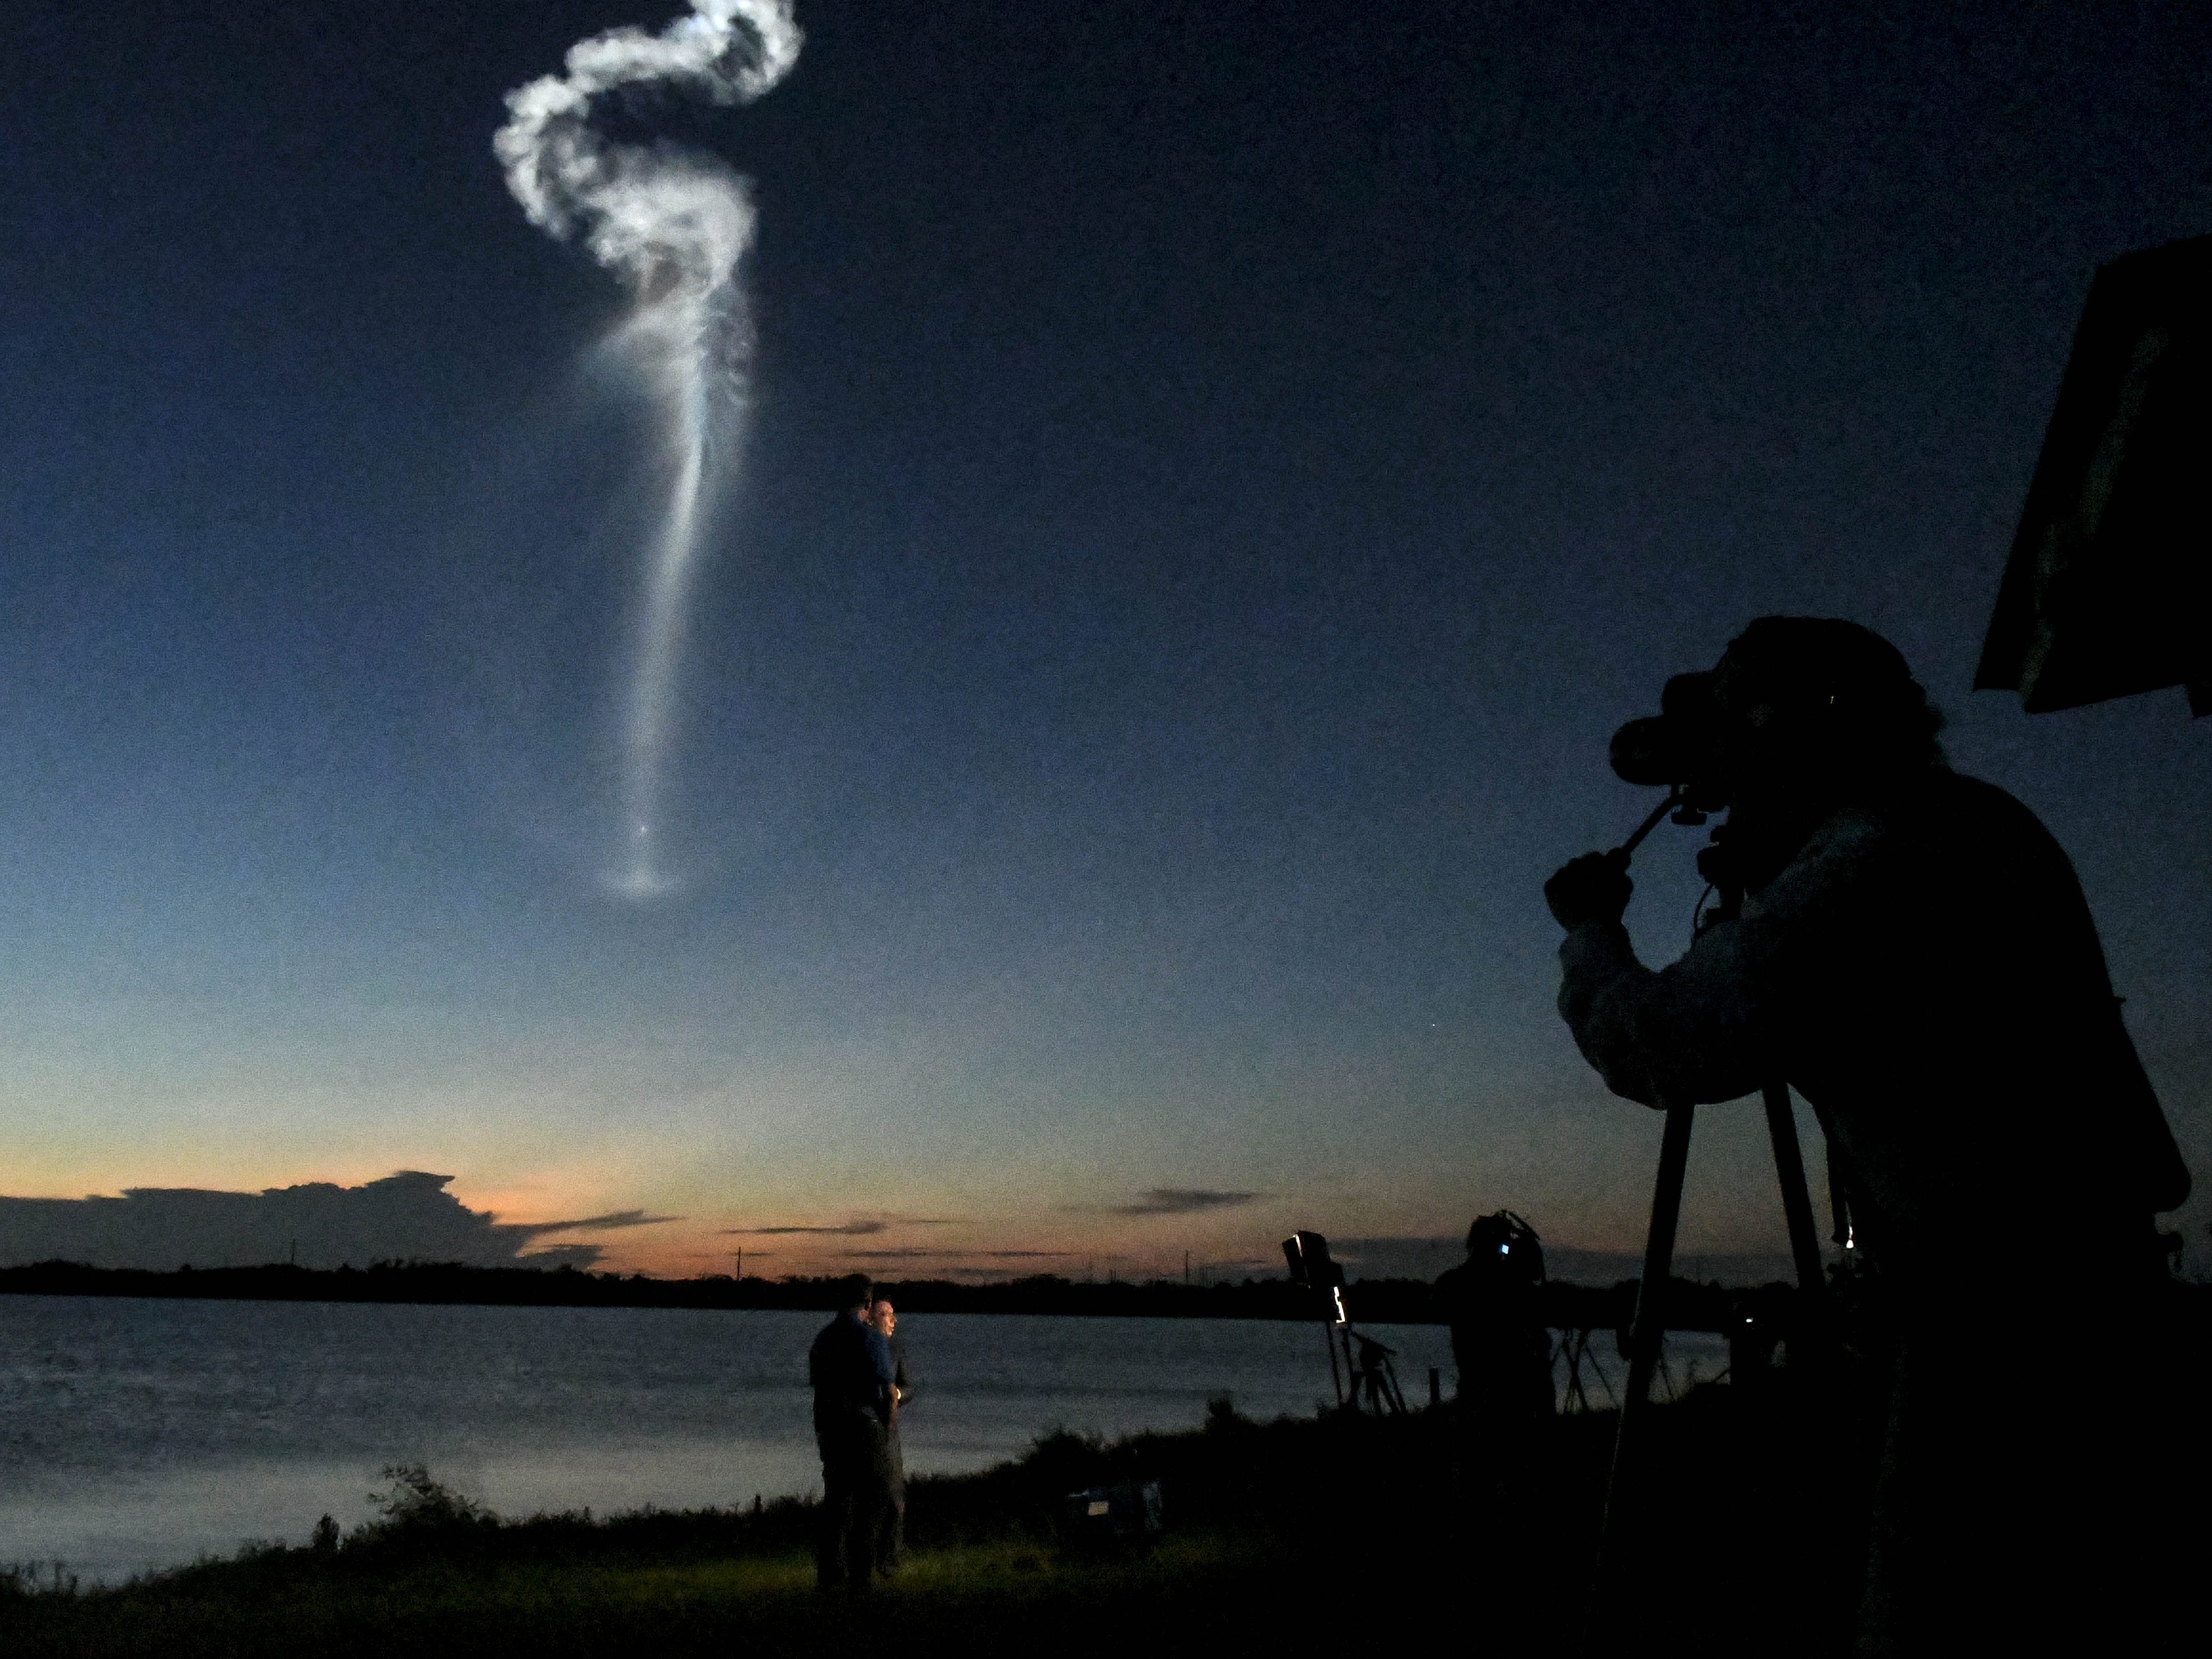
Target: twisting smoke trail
[(674, 227)]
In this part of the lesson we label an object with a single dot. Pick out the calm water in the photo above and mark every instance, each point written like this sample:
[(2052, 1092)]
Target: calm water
[(139, 1434)]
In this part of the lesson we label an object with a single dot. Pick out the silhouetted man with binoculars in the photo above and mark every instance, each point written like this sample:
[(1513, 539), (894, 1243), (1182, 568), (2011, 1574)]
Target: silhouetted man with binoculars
[(1913, 953)]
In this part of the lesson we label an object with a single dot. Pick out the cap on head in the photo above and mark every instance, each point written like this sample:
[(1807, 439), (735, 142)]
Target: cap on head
[(1825, 685), (1810, 661), (1845, 688)]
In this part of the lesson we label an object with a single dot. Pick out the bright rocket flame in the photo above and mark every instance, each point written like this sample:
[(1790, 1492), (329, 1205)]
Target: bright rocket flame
[(674, 227)]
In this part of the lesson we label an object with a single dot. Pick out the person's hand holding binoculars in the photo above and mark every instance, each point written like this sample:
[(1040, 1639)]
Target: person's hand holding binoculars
[(1594, 888)]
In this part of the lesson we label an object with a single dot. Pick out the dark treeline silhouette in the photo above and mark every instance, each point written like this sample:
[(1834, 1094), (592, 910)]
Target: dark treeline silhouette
[(1390, 1301)]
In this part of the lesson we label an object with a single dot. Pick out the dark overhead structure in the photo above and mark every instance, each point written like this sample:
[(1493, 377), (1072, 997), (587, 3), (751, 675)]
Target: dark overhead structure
[(2108, 591)]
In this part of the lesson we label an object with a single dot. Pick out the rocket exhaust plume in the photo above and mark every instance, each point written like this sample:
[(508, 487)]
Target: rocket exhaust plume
[(673, 226)]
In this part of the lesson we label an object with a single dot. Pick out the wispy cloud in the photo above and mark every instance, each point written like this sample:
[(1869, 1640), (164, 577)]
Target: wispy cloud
[(844, 1230), (858, 1227), (600, 1223), (1184, 1200)]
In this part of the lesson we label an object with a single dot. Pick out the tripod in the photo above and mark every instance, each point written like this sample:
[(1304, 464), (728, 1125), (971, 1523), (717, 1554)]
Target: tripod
[(1650, 1325), (1648, 1331), (1378, 1376)]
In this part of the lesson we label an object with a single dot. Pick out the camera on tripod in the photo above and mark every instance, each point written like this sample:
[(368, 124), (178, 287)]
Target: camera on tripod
[(1310, 1265), (1370, 1371)]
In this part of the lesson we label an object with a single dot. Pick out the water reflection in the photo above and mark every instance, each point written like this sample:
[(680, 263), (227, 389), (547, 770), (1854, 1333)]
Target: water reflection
[(138, 1434)]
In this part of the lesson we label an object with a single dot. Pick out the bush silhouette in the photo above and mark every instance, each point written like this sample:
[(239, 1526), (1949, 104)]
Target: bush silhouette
[(418, 1504)]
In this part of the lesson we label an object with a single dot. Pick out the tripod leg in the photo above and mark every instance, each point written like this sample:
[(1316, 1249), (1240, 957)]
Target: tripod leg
[(1644, 1337), (1796, 1200), (1648, 1331)]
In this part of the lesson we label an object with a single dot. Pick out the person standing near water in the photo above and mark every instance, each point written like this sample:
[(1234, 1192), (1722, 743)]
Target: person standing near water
[(890, 1538), (849, 1367)]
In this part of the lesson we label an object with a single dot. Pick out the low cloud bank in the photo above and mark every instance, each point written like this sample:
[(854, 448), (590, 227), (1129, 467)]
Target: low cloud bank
[(406, 1217), (1184, 1200), (1402, 1257)]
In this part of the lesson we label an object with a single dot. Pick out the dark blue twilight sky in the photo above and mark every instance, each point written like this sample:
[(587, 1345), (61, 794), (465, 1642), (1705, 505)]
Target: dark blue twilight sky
[(1220, 472)]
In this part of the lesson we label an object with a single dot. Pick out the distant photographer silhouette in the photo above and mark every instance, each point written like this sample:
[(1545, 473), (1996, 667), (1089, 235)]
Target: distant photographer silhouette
[(1500, 1347), (1912, 952)]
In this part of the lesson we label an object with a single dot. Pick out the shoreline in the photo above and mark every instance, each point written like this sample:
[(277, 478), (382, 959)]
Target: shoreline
[(1293, 1532), (1564, 1305)]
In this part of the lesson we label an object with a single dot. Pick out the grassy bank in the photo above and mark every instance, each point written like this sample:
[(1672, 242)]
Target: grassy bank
[(1288, 1532)]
